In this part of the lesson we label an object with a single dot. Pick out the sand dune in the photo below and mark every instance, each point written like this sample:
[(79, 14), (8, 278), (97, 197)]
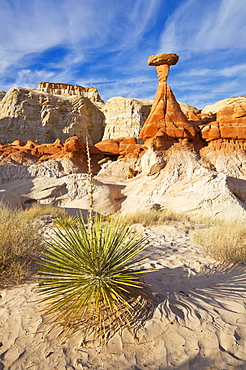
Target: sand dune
[(199, 321)]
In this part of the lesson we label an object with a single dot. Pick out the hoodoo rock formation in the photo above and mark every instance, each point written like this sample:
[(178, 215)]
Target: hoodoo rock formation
[(166, 123)]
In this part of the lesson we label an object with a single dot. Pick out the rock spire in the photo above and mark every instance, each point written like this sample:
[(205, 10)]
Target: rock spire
[(166, 122)]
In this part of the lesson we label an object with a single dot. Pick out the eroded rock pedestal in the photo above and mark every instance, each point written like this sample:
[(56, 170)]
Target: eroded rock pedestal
[(166, 123)]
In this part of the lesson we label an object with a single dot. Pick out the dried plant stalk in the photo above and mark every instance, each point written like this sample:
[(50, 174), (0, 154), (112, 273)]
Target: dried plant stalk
[(90, 192)]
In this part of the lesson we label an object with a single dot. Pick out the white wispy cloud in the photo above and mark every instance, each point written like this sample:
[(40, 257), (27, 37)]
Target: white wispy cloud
[(205, 26), (235, 70), (106, 43), (85, 30)]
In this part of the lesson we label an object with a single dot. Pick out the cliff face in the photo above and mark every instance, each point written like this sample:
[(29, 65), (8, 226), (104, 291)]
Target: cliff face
[(124, 117), (67, 89), (29, 114)]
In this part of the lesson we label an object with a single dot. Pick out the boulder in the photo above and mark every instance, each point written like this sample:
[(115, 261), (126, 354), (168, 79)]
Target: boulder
[(108, 146), (124, 117), (10, 199), (126, 147), (29, 114), (153, 161), (122, 169), (163, 58), (232, 122)]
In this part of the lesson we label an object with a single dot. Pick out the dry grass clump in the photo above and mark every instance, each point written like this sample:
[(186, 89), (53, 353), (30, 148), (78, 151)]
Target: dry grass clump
[(19, 245), (164, 216), (37, 210), (226, 242), (153, 217)]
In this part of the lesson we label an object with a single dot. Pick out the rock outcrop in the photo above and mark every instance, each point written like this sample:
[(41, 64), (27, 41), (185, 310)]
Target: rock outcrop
[(166, 123), (69, 192), (66, 89), (230, 124), (121, 146), (214, 108), (29, 114), (187, 184), (72, 154), (2, 94), (124, 117)]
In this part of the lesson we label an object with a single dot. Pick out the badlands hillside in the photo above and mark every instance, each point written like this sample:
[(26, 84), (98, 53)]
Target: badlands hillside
[(145, 154)]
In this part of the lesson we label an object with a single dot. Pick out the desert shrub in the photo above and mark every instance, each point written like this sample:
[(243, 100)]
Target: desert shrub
[(19, 245), (165, 216), (226, 242), (37, 210), (66, 220), (153, 217), (90, 279)]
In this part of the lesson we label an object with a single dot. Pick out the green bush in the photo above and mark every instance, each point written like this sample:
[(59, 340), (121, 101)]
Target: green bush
[(90, 279)]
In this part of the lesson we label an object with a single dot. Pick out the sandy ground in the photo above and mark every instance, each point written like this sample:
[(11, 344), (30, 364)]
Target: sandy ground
[(199, 321)]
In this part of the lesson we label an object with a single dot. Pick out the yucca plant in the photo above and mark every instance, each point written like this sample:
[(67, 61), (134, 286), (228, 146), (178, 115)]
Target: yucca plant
[(90, 277), (93, 282)]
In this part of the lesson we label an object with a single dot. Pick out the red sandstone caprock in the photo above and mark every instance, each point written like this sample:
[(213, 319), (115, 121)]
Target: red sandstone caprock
[(166, 120)]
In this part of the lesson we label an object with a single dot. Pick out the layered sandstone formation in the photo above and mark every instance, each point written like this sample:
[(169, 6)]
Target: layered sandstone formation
[(230, 124), (124, 117), (67, 89), (29, 114), (72, 153), (166, 123), (123, 146)]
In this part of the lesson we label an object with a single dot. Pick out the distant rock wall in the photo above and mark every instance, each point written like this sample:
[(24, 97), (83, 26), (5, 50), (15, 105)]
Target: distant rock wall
[(67, 89), (29, 114), (124, 117)]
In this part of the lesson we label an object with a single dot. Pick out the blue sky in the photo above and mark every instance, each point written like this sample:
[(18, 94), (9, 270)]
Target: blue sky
[(106, 43)]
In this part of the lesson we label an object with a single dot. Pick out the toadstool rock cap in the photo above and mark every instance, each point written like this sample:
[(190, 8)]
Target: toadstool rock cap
[(163, 58)]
